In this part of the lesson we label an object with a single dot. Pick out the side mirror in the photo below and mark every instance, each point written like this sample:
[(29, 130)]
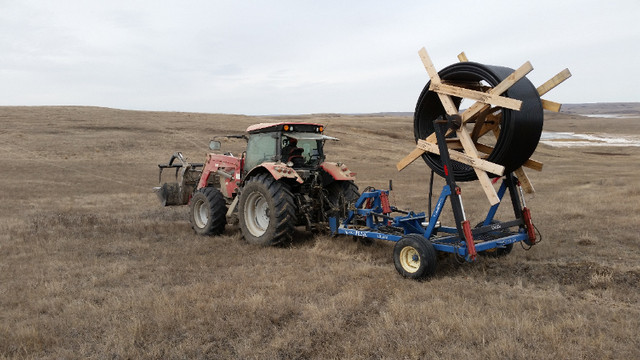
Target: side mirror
[(214, 145)]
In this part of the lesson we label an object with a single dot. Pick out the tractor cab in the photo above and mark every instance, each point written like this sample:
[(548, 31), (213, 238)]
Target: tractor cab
[(298, 145)]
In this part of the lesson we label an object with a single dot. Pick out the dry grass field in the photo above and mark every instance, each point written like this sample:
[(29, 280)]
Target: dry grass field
[(92, 267)]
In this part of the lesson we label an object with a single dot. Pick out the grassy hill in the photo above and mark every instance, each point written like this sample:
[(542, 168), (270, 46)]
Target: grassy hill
[(92, 267)]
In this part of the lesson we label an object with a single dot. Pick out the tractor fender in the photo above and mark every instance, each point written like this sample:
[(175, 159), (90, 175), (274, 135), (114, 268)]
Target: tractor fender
[(277, 169), (338, 171)]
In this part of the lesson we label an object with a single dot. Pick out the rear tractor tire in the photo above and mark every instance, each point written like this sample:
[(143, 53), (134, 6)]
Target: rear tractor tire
[(267, 211), (414, 257), (208, 211), (342, 194)]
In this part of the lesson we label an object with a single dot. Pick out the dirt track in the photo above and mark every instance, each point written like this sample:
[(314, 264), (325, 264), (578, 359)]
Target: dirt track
[(91, 266)]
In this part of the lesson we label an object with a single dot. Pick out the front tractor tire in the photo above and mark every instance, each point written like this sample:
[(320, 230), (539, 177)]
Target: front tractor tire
[(414, 257), (208, 211), (266, 211)]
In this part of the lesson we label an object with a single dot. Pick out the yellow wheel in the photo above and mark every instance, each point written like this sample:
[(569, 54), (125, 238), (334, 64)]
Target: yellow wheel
[(414, 257), (409, 259)]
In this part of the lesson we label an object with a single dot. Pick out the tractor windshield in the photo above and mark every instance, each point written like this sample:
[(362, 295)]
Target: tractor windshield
[(303, 149)]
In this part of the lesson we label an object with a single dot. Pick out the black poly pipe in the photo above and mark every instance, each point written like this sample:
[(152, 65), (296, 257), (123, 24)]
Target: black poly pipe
[(520, 130)]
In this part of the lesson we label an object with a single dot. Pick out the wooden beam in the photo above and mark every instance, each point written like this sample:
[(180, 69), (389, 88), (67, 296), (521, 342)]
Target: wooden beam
[(479, 124), (462, 57), (484, 148), (428, 65), (413, 155), (554, 81), (446, 101), (463, 158), (551, 105), (486, 98), (526, 184), (490, 123), (483, 178), (533, 164)]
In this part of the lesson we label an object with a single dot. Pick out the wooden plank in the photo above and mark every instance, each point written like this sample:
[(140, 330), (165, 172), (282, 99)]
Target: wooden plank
[(480, 96), (463, 158), (553, 82), (446, 101), (486, 127), (526, 184), (487, 186), (475, 134), (462, 57), (428, 65), (484, 148), (518, 74), (483, 178), (551, 105), (413, 155), (480, 124), (533, 164), (448, 104)]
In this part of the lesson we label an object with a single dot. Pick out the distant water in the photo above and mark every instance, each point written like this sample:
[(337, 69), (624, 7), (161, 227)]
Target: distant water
[(570, 139), (608, 116)]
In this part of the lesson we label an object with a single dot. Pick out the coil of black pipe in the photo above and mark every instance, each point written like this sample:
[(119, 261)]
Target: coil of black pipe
[(519, 130)]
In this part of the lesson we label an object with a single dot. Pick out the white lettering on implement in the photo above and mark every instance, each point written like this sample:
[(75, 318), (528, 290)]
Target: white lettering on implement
[(365, 234)]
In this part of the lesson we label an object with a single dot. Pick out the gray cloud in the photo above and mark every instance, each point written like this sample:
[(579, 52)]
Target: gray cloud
[(282, 57)]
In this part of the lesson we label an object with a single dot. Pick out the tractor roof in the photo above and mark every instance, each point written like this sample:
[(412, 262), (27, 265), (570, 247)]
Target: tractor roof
[(285, 126)]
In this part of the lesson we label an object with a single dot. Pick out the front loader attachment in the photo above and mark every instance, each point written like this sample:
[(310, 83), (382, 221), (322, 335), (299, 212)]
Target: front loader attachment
[(178, 192)]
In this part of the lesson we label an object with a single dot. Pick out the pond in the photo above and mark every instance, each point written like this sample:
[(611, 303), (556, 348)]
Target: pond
[(571, 139)]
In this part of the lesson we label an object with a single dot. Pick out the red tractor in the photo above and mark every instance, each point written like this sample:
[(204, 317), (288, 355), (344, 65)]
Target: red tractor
[(281, 181)]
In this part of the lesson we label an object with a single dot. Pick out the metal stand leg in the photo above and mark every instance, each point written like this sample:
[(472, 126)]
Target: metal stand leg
[(462, 224)]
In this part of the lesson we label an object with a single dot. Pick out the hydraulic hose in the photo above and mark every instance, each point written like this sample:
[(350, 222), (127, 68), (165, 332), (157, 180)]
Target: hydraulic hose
[(519, 130)]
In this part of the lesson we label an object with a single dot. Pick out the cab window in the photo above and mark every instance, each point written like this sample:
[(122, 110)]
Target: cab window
[(260, 148)]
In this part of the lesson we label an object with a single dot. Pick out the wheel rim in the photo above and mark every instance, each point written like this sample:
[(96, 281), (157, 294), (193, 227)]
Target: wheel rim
[(200, 214), (410, 259), (256, 214)]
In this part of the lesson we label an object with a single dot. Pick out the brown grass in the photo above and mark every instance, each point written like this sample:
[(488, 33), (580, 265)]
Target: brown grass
[(92, 267)]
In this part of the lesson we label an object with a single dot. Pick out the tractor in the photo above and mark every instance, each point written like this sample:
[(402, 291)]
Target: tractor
[(279, 182)]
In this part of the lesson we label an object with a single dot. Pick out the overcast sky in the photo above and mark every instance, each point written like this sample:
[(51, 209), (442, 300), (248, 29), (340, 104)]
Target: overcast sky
[(294, 57)]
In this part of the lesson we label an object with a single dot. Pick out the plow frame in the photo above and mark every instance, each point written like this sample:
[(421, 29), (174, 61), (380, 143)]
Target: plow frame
[(374, 224), (371, 215)]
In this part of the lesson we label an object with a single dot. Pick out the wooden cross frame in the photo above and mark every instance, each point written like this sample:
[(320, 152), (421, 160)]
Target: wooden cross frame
[(481, 114)]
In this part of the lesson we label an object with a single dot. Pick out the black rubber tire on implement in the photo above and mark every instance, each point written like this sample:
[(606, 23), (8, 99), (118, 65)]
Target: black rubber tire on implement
[(208, 212), (267, 211), (414, 257), (497, 252)]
